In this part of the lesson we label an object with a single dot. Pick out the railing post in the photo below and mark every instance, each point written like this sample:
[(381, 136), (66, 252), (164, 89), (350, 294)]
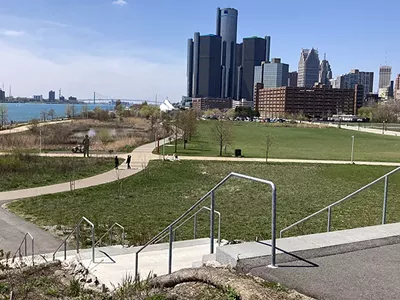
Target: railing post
[(195, 226), (273, 228), (328, 227), (385, 194), (33, 252), (137, 267), (212, 219), (77, 238), (111, 236), (170, 250), (25, 247), (219, 230), (93, 243), (65, 250)]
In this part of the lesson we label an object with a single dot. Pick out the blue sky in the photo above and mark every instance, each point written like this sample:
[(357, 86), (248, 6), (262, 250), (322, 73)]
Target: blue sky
[(137, 49)]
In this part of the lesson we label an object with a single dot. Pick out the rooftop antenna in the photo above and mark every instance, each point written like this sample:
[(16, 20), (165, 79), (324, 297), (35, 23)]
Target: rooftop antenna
[(324, 56), (9, 93)]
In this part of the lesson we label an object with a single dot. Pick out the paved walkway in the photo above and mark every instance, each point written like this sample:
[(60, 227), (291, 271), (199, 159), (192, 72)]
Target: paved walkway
[(13, 228), (284, 160), (356, 128), (27, 127)]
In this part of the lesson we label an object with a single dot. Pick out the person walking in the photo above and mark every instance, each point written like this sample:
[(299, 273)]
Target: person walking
[(86, 143), (128, 161), (116, 162)]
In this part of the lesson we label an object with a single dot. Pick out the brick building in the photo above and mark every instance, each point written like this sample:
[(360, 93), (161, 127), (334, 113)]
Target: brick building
[(312, 102)]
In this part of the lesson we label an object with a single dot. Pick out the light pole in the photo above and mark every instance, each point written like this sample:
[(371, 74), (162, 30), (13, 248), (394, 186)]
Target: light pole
[(40, 140), (352, 149)]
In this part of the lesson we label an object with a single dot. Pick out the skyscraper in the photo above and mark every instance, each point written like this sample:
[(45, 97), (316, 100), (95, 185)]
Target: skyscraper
[(292, 79), (397, 88), (52, 96), (356, 77), (308, 68), (325, 72), (227, 30), (385, 73), (204, 74), (271, 75), (254, 53)]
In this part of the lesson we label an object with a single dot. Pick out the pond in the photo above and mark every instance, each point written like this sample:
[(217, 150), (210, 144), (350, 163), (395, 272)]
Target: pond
[(111, 132)]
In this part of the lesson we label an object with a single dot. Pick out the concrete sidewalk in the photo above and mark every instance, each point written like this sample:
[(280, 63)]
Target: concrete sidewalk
[(284, 160), (27, 127)]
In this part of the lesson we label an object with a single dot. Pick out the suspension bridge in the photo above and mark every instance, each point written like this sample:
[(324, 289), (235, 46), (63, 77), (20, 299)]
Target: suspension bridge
[(103, 99)]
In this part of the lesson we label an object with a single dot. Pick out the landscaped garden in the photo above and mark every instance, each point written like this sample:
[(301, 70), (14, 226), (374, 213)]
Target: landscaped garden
[(20, 171), (147, 202), (297, 141)]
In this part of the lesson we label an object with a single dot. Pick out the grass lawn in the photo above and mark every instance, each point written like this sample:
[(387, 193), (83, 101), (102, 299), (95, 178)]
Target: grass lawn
[(155, 197), (20, 171), (294, 142)]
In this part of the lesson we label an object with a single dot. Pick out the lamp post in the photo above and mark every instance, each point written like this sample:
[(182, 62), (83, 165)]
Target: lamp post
[(352, 149), (40, 140)]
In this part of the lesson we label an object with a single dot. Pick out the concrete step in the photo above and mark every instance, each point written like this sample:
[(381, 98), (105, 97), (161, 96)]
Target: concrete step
[(247, 256)]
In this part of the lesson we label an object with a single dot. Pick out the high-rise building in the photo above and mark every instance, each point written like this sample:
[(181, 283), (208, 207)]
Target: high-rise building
[(349, 80), (271, 75), (204, 74), (308, 68), (397, 88), (2, 96), (292, 80), (227, 30), (52, 96), (385, 73), (254, 53), (325, 72), (239, 70)]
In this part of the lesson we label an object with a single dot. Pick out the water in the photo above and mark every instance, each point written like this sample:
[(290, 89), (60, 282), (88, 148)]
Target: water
[(22, 112)]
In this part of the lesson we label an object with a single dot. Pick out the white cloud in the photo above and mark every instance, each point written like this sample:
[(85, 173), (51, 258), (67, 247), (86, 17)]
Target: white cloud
[(12, 33), (118, 76), (120, 2)]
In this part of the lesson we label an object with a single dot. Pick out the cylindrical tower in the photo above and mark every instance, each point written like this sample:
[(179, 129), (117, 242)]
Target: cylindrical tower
[(227, 29), (190, 68)]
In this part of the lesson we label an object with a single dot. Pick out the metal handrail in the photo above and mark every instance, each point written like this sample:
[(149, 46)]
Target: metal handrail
[(195, 225), (23, 242), (110, 231), (169, 228), (77, 229), (329, 207)]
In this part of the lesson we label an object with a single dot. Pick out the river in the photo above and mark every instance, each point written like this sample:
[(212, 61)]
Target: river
[(22, 112)]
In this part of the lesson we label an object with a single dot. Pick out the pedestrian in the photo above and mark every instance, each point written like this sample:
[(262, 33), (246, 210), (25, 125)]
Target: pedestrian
[(86, 143), (128, 161), (116, 162)]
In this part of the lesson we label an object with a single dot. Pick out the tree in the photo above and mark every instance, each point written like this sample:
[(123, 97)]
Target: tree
[(85, 111), (3, 115), (51, 113), (268, 143), (186, 120), (70, 111), (222, 131), (43, 115)]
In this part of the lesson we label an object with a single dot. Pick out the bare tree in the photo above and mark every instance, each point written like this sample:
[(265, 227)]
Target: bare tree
[(3, 115), (43, 115), (70, 111), (85, 111), (268, 144), (222, 131), (51, 113)]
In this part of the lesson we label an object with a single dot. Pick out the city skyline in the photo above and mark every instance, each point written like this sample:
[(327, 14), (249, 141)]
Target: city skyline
[(139, 53)]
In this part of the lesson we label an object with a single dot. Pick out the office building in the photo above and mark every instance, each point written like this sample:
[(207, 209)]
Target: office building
[(358, 97), (227, 30), (204, 66), (272, 75), (201, 104), (325, 72), (385, 73), (254, 52), (2, 96), (292, 79), (356, 77), (37, 97), (239, 69), (52, 96), (308, 68), (319, 101), (397, 88)]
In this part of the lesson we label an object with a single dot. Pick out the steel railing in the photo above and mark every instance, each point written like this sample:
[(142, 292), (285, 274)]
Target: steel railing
[(24, 243), (194, 216), (170, 227), (329, 207), (110, 232), (77, 231)]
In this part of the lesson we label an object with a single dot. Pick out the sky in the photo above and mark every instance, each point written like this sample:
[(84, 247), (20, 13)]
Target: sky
[(131, 49)]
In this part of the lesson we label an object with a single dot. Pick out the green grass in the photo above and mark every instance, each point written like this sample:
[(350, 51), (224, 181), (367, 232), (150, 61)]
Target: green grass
[(20, 171), (154, 198), (294, 142)]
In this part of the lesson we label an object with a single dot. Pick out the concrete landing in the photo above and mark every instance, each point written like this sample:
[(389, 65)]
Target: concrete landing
[(153, 259), (247, 256)]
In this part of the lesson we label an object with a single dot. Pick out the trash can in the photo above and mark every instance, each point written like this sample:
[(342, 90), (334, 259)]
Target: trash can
[(238, 152)]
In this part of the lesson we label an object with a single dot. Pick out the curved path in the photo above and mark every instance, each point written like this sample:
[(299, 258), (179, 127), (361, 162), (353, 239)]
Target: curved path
[(13, 228), (28, 126)]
